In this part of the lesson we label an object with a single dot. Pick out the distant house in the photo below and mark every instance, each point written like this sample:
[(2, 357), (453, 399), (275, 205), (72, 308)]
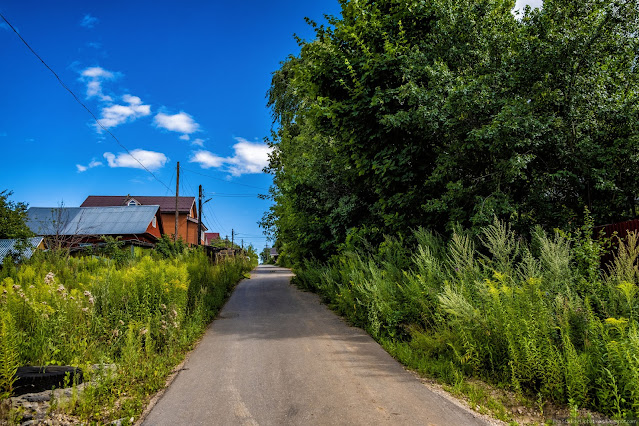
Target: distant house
[(14, 248), (274, 254), (210, 237), (187, 212), (74, 227)]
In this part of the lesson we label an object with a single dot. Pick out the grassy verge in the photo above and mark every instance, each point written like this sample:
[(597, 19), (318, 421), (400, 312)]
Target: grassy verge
[(141, 314), (539, 319)]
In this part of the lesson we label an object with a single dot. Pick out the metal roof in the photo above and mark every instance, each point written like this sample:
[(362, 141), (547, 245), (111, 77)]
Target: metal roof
[(120, 220), (9, 246), (167, 204)]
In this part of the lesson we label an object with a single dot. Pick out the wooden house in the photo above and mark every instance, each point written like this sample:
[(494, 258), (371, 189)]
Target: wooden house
[(74, 227), (188, 215)]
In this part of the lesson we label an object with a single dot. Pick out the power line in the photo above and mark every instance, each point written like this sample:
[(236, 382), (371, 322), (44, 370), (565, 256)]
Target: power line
[(233, 195), (80, 102), (224, 180)]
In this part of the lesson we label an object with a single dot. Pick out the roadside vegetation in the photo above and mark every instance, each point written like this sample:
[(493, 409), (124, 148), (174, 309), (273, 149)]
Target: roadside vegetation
[(539, 319), (486, 131), (135, 314)]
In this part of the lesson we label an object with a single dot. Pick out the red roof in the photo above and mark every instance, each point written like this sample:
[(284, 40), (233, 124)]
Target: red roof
[(210, 236), (167, 204)]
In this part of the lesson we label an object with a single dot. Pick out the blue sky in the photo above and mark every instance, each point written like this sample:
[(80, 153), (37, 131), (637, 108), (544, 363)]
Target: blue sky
[(172, 81)]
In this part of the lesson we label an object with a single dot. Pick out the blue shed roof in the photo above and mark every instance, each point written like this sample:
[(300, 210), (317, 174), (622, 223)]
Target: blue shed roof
[(120, 220)]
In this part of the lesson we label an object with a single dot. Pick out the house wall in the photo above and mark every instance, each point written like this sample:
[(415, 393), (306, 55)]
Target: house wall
[(186, 230), (192, 232), (155, 231)]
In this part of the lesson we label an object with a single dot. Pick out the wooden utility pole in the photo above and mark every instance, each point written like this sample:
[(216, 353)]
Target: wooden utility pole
[(177, 195), (232, 238), (199, 222)]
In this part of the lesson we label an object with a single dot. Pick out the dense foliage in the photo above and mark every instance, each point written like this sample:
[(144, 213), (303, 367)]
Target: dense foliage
[(13, 218), (402, 114), (139, 313), (533, 318)]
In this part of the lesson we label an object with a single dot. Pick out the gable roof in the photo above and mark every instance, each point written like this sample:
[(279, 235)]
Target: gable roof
[(9, 246), (121, 220), (167, 204)]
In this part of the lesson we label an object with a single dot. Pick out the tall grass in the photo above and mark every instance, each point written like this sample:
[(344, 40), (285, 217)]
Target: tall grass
[(140, 314), (539, 317)]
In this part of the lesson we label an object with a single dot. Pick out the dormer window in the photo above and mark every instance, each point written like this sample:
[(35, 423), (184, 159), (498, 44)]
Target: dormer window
[(132, 202)]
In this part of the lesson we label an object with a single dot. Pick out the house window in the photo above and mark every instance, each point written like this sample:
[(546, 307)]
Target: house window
[(133, 203), (154, 222)]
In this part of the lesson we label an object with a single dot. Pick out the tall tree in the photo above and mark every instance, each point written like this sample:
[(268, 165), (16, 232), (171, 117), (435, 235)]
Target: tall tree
[(404, 114)]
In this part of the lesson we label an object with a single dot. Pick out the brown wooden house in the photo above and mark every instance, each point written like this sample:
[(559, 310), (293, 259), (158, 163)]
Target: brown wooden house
[(188, 216)]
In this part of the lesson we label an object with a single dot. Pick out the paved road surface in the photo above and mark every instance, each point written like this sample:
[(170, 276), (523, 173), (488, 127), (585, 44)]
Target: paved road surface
[(276, 356)]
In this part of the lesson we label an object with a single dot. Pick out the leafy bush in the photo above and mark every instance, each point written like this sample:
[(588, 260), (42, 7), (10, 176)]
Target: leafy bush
[(140, 315), (540, 317)]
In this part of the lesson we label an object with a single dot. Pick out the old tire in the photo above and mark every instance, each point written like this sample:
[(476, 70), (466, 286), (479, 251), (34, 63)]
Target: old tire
[(39, 379)]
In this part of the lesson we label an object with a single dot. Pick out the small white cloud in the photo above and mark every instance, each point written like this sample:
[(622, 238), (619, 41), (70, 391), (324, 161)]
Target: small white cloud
[(94, 77), (89, 21), (94, 45), (97, 72), (92, 164), (198, 142), (150, 159), (250, 157), (180, 123), (114, 115), (206, 159), (185, 137)]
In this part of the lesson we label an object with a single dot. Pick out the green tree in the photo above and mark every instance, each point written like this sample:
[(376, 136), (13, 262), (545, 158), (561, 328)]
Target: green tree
[(405, 114), (13, 217)]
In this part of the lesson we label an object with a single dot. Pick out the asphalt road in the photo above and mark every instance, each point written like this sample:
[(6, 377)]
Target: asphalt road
[(276, 356)]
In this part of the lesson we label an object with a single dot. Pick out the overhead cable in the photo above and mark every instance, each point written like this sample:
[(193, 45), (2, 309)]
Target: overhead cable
[(80, 102)]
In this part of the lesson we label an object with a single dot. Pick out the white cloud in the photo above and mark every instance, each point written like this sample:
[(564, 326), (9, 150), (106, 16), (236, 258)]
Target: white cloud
[(180, 123), (115, 115), (94, 77), (150, 159), (97, 72), (198, 142), (250, 157), (92, 164), (520, 5), (206, 159), (89, 21), (185, 137)]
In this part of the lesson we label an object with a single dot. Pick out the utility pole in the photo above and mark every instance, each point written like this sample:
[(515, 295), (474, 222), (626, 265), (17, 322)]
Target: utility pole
[(226, 239), (177, 194), (199, 222), (232, 238), (242, 244)]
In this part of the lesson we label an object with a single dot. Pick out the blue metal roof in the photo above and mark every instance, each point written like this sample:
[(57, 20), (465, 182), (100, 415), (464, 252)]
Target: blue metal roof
[(9, 246), (120, 220)]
